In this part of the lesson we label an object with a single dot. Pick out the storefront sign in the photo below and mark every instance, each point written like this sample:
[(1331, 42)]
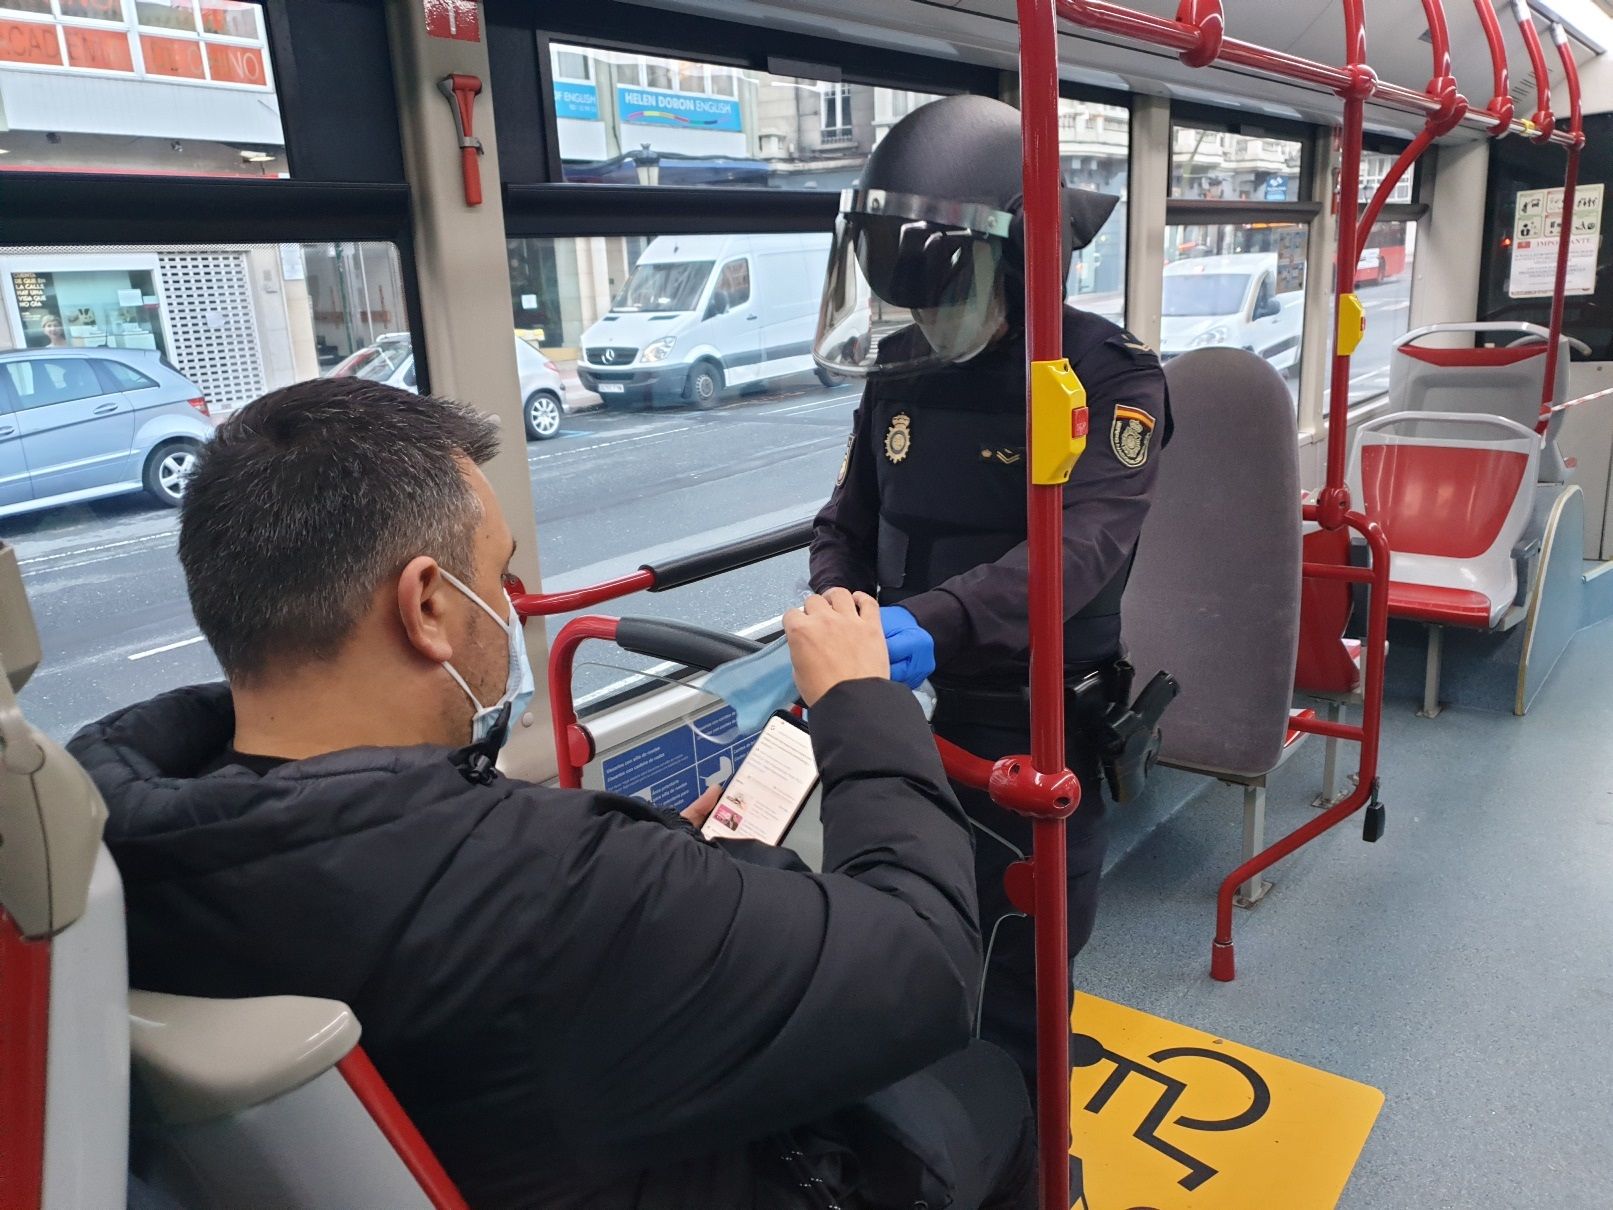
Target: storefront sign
[(236, 64), (1537, 227), (172, 57), (97, 49), (578, 102), (112, 50), (29, 42), (653, 107)]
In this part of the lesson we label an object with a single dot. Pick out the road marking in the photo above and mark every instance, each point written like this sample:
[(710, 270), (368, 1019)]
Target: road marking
[(140, 655), (80, 551), (603, 445)]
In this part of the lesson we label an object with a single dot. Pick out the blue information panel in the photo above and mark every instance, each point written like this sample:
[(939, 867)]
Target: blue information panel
[(579, 102), (655, 107), (672, 769)]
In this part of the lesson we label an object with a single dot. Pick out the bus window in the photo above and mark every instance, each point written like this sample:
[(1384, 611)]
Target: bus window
[(1236, 285), (1383, 283), (207, 330), (625, 118), (687, 422), (1219, 165), (1094, 150)]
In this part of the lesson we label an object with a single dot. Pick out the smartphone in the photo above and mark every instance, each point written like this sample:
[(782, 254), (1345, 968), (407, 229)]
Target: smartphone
[(773, 783)]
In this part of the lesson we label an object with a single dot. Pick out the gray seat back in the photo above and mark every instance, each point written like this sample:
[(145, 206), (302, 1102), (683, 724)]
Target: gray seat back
[(1485, 381), (1214, 593)]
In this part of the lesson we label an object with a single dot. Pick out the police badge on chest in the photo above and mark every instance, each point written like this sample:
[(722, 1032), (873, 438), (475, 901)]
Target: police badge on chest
[(1129, 435)]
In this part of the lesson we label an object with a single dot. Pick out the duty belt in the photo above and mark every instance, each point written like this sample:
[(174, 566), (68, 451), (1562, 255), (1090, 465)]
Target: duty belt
[(1096, 712)]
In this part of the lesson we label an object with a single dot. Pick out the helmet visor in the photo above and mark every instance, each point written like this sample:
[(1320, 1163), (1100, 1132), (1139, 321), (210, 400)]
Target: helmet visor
[(912, 284)]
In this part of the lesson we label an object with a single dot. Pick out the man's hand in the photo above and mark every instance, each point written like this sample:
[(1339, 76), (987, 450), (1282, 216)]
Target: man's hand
[(701, 807), (833, 638)]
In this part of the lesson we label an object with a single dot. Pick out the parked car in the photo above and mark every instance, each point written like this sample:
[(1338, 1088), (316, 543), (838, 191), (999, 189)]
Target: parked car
[(543, 392), (1231, 300), (701, 313), (82, 424)]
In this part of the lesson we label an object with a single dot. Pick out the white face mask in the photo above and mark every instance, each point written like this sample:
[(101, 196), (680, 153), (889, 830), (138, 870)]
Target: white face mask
[(518, 682)]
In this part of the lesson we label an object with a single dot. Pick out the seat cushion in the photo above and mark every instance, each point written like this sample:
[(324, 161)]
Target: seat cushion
[(1447, 606)]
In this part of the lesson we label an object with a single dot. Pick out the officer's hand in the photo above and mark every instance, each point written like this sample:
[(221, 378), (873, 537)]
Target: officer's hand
[(911, 647), (834, 638)]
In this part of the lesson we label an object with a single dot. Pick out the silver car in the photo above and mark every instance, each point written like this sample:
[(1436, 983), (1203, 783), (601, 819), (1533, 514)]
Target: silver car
[(81, 424), (390, 360)]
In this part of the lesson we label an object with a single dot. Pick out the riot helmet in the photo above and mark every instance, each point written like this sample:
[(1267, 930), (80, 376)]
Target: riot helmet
[(927, 263)]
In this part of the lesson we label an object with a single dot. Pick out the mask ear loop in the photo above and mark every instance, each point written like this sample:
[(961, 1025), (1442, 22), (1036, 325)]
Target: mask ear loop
[(690, 718)]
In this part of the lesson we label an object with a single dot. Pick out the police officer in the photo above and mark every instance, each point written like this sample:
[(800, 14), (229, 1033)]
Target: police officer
[(924, 299)]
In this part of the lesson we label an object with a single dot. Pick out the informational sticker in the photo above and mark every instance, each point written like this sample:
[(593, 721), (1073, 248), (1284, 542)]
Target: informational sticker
[(673, 767), (456, 19), (1171, 1118), (1537, 228)]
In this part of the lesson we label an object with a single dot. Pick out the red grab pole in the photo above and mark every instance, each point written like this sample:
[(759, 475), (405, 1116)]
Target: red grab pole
[(1040, 786), (1576, 126)]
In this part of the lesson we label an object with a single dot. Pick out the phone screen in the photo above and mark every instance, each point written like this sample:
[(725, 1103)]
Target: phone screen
[(774, 782)]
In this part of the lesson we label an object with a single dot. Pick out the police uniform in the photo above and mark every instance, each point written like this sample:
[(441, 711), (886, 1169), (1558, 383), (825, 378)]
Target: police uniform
[(929, 512)]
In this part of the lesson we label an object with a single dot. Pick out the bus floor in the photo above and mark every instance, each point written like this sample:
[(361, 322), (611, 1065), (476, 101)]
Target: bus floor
[(1463, 964)]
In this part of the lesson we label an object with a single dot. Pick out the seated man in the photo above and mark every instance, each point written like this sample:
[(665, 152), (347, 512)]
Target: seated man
[(578, 1000)]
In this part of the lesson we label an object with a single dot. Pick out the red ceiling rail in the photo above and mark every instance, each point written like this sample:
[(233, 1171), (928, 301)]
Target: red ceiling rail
[(1500, 106), (1182, 37), (1543, 121)]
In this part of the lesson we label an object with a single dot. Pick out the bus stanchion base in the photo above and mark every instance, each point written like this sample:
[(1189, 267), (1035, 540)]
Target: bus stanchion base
[(1223, 966)]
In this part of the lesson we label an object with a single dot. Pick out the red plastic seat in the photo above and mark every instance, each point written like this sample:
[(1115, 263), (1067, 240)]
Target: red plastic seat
[(1445, 606)]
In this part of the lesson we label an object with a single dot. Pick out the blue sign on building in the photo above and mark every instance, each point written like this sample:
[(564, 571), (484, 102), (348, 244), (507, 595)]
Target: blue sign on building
[(691, 111), (1276, 189), (579, 102)]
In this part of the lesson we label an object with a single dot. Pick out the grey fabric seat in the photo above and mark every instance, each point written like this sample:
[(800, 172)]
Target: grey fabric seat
[(1214, 594)]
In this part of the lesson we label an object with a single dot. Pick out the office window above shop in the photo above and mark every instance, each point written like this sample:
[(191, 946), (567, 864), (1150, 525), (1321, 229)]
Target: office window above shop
[(631, 119), (1094, 153), (181, 87), (1212, 164)]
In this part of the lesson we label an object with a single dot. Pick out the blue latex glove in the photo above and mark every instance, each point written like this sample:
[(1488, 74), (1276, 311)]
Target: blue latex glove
[(911, 647)]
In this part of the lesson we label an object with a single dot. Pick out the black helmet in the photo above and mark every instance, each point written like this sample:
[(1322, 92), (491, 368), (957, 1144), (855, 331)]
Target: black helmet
[(932, 237)]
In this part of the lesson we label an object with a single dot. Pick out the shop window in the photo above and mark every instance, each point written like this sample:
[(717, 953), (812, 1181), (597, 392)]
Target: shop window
[(1239, 286), (1094, 151), (215, 324), (181, 87), (685, 424), (627, 121), (1219, 165)]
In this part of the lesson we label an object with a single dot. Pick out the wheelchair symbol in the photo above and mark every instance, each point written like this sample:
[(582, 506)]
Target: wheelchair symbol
[(1087, 1051)]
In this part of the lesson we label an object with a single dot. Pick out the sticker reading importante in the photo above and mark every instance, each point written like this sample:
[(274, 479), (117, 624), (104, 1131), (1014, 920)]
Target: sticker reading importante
[(1171, 1118)]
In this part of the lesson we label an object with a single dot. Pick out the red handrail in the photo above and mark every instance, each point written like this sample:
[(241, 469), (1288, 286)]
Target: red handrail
[(573, 747), (1543, 119), (1501, 100)]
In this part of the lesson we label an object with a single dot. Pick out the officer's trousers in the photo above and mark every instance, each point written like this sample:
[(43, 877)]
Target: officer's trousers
[(1008, 1015)]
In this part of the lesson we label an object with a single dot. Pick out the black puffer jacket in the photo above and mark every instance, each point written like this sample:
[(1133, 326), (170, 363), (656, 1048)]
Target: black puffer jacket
[(578, 1003)]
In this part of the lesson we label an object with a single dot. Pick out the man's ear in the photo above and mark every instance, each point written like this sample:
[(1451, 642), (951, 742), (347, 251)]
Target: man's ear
[(422, 609)]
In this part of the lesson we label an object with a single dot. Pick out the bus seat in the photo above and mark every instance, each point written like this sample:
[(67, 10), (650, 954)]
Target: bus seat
[(1454, 494), (270, 1103), (1215, 591), (1485, 380)]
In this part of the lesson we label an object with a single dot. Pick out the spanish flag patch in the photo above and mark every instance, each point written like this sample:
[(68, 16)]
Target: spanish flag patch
[(1129, 435)]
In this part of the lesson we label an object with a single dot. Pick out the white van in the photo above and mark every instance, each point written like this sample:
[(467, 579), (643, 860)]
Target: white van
[(1230, 300), (701, 313)]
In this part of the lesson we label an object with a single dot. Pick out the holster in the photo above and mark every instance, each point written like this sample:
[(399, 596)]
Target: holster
[(1125, 733)]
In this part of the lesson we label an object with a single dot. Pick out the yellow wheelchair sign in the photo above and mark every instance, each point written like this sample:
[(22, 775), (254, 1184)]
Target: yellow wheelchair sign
[(1165, 1117)]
